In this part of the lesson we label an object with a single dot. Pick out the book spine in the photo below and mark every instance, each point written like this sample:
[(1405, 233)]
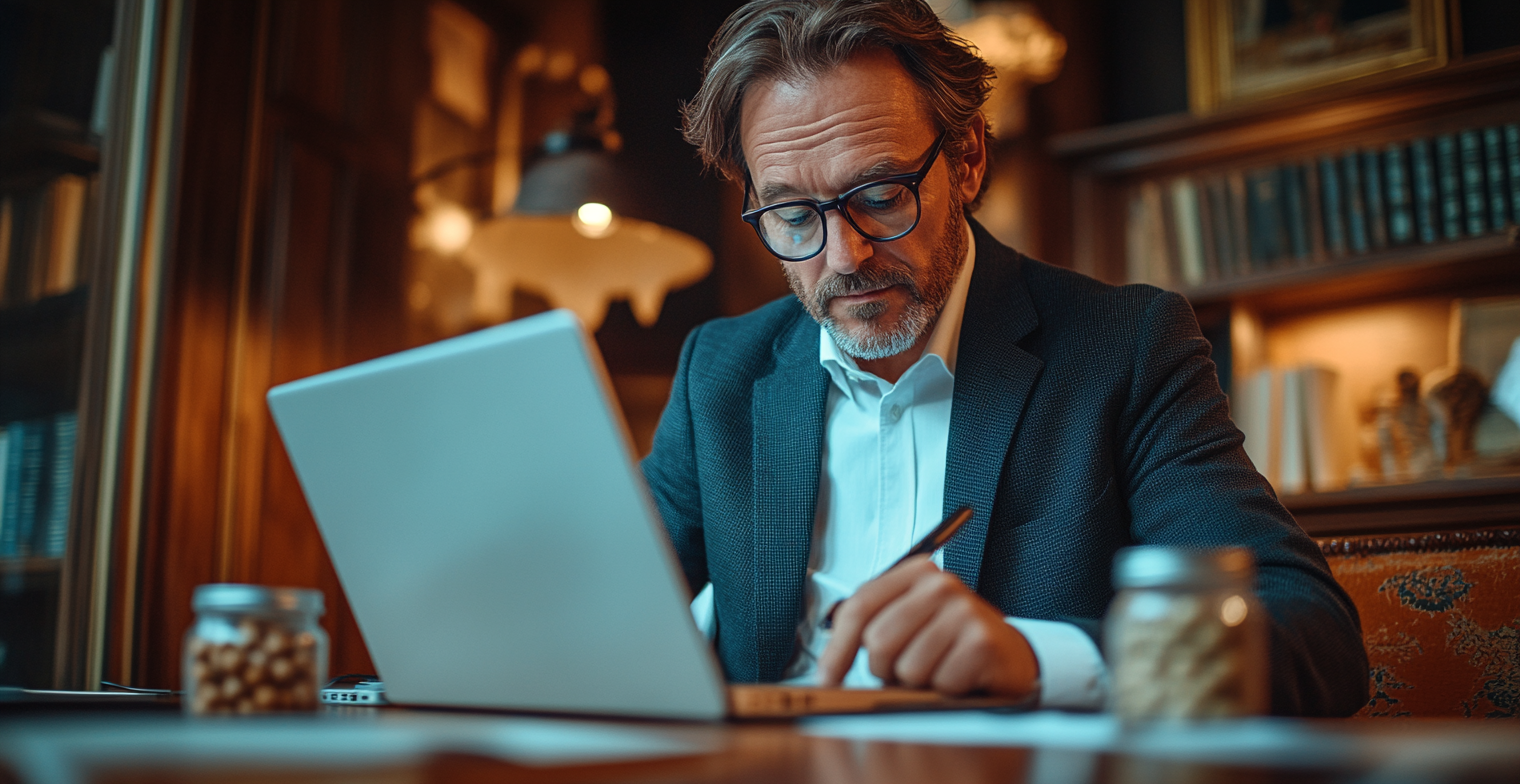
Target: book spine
[(39, 248), (1356, 204), (1400, 201), (1295, 212), (1252, 409), (1334, 210), (1206, 231), (1474, 187), (1264, 217), (1293, 475), (7, 491), (1326, 462), (1219, 212), (1426, 195), (25, 209), (1158, 269), (66, 197), (1189, 232), (55, 535), (10, 515), (1276, 215), (1512, 155), (1238, 232), (1449, 181), (29, 494), (1377, 215), (1498, 184), (1314, 211)]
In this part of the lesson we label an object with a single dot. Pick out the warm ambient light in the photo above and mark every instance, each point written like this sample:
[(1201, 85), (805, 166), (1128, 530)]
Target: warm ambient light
[(447, 228), (555, 258), (1233, 611), (593, 220)]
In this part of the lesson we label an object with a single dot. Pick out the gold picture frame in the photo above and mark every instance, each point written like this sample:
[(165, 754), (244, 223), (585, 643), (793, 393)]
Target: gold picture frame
[(1241, 51)]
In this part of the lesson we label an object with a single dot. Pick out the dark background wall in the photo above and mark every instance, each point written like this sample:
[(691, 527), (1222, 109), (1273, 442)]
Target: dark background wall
[(654, 53)]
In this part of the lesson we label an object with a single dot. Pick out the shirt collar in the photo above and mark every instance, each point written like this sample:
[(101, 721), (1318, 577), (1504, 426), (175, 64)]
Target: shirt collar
[(944, 340)]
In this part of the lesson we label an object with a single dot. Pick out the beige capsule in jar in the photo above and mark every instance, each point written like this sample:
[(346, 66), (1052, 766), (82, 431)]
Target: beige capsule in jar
[(1185, 637), (254, 649)]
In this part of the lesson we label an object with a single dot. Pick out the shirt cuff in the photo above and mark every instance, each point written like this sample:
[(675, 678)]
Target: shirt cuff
[(1072, 672)]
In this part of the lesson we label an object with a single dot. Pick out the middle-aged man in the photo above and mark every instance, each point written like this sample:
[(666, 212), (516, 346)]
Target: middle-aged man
[(923, 366)]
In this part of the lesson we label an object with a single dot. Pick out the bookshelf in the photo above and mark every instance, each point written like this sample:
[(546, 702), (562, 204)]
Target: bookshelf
[(56, 101), (41, 357), (1235, 211)]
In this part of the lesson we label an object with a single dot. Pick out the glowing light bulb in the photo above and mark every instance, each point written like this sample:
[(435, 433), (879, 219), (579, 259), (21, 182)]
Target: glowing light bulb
[(448, 228), (1232, 611), (594, 220)]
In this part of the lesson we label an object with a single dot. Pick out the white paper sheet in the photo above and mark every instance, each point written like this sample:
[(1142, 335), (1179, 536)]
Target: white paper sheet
[(1052, 729), (1266, 742), (63, 750)]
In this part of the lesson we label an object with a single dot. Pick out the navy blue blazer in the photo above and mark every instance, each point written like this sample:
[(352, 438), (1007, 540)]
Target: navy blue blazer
[(1086, 418)]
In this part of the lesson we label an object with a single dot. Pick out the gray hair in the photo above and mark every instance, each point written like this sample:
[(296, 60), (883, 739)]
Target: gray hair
[(793, 40)]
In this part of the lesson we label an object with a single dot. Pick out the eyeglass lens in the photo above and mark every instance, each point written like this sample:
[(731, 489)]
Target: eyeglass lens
[(881, 211)]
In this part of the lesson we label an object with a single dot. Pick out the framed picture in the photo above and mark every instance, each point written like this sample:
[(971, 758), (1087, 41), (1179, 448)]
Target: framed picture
[(1246, 50)]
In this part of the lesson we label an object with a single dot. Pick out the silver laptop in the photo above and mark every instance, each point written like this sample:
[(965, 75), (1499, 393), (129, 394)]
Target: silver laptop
[(497, 542)]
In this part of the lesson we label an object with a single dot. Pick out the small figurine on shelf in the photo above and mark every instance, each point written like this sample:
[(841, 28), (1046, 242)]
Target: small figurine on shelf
[(1455, 399), (1403, 428)]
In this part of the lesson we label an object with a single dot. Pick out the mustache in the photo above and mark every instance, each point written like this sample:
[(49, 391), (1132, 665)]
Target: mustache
[(864, 279)]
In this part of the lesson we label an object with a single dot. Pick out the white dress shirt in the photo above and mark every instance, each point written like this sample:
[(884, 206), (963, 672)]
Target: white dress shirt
[(882, 488)]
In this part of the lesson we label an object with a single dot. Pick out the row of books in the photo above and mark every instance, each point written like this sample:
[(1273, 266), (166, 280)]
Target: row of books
[(1195, 229), (39, 239), (1287, 416), (36, 483)]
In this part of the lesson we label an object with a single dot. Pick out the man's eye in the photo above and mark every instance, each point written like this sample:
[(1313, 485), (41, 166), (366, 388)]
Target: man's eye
[(796, 216), (880, 197)]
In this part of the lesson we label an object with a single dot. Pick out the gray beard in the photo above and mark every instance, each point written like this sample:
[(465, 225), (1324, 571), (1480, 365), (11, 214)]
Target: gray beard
[(879, 341)]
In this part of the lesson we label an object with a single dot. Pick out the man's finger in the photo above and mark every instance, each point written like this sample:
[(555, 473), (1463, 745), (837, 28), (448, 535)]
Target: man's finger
[(987, 656), (960, 669), (852, 616), (902, 620), (916, 663)]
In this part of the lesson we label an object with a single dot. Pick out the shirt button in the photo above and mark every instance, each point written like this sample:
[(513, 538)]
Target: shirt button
[(896, 413)]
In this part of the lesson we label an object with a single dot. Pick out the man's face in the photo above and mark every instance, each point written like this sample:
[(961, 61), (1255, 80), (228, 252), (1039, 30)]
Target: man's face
[(816, 139)]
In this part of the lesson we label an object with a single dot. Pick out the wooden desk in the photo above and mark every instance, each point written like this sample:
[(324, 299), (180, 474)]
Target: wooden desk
[(1474, 750)]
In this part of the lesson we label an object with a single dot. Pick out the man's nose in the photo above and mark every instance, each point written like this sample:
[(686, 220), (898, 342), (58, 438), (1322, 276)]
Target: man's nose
[(846, 249)]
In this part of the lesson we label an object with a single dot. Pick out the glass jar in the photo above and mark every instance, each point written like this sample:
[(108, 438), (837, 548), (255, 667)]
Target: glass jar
[(254, 649), (1186, 637)]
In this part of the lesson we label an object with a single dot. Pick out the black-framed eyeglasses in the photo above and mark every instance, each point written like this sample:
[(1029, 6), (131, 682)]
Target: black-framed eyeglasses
[(881, 211)]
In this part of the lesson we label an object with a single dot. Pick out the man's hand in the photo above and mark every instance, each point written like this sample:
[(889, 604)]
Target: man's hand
[(924, 628)]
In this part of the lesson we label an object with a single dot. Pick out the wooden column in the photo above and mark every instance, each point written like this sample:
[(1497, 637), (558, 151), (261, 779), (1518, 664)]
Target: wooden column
[(288, 261)]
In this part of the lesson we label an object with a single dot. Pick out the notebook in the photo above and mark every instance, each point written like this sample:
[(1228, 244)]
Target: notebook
[(497, 543)]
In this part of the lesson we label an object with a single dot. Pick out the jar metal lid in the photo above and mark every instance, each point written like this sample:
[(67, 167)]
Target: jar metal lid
[(1154, 566), (237, 597)]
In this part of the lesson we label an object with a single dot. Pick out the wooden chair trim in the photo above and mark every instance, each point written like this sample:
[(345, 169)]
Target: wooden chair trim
[(1423, 543)]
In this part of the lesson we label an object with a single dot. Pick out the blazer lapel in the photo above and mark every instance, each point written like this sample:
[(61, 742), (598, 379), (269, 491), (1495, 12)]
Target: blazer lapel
[(993, 379), (788, 414)]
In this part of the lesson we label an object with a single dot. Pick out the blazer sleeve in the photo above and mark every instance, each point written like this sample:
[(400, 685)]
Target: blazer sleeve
[(1189, 483), (671, 472)]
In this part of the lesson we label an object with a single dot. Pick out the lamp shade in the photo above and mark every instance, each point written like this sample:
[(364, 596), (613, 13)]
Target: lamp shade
[(569, 239), (558, 184)]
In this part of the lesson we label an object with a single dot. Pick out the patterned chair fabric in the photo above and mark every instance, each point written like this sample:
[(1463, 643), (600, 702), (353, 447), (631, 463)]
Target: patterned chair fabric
[(1441, 619)]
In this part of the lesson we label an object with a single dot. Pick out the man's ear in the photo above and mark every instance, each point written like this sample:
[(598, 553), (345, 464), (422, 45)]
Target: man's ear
[(973, 159)]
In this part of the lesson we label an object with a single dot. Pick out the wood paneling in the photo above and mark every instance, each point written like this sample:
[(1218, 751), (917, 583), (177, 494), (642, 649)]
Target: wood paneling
[(294, 202)]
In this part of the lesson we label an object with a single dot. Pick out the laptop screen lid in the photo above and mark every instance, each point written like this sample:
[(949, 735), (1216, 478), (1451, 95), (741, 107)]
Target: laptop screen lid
[(497, 543)]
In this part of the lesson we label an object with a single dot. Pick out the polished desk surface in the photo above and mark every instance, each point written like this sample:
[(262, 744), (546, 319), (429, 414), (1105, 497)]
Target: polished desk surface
[(394, 745)]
